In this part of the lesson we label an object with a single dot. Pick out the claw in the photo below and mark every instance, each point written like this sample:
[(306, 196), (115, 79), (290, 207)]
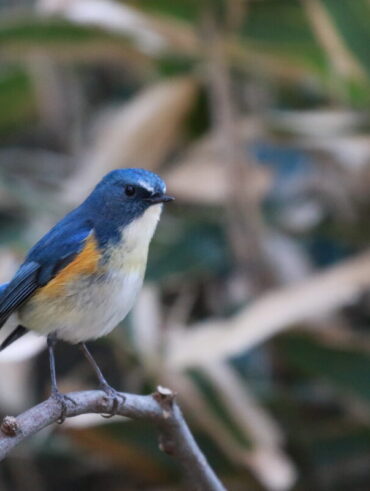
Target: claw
[(61, 399), (116, 398)]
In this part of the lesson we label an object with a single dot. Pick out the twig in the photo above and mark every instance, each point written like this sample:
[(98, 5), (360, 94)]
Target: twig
[(160, 408), (245, 224)]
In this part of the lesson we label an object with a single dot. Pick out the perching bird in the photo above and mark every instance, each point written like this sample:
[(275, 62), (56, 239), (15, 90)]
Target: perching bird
[(81, 279)]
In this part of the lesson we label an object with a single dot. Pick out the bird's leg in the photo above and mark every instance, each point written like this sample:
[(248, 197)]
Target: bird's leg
[(55, 394), (103, 384)]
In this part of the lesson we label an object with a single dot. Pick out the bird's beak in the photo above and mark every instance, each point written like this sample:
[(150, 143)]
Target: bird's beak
[(160, 198)]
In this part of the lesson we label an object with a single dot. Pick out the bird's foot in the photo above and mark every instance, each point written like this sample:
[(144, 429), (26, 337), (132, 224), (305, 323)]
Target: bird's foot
[(62, 400), (112, 395)]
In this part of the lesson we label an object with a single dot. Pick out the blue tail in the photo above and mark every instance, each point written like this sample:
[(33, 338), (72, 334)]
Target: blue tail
[(18, 331)]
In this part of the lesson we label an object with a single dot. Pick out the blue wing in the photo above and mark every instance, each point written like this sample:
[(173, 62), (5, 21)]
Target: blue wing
[(18, 290), (51, 254)]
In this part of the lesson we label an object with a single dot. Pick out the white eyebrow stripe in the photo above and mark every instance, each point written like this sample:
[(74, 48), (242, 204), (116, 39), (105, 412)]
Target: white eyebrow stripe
[(147, 186)]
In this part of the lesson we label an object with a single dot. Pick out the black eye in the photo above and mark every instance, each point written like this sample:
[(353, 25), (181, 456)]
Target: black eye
[(130, 190)]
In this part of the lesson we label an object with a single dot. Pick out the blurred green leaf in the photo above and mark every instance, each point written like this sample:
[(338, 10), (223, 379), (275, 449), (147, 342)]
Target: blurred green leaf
[(188, 10), (352, 21), (41, 31), (346, 369), (17, 100), (348, 443), (64, 39), (282, 28), (197, 248)]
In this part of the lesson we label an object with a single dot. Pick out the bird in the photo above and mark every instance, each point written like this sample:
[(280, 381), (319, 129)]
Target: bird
[(81, 279)]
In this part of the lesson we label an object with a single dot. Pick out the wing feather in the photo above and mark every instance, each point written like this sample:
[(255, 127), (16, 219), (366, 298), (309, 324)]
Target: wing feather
[(51, 254), (19, 289)]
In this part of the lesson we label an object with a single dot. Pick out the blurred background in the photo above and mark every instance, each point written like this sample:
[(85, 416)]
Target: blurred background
[(255, 307)]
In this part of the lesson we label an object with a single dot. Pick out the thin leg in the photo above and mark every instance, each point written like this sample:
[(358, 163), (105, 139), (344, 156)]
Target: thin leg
[(93, 364), (55, 394), (51, 342), (111, 393)]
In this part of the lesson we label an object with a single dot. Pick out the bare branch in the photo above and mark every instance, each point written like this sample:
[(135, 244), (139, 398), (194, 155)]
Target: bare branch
[(160, 408), (305, 301)]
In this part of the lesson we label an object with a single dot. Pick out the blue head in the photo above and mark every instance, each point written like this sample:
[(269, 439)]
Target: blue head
[(124, 195)]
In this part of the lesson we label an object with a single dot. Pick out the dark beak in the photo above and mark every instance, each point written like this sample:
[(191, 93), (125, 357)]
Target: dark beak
[(160, 198)]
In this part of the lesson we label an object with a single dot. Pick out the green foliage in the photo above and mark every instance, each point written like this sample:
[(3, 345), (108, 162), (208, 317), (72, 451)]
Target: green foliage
[(45, 33), (17, 101), (283, 29), (351, 20), (343, 368), (198, 249), (187, 11)]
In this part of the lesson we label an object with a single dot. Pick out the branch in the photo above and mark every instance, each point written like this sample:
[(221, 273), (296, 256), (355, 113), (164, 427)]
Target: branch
[(305, 301), (160, 408)]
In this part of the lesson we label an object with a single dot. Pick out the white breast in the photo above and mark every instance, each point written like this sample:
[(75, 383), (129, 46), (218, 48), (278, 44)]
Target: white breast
[(94, 305)]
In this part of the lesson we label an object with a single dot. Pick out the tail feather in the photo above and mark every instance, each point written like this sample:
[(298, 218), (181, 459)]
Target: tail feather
[(18, 332), (3, 287)]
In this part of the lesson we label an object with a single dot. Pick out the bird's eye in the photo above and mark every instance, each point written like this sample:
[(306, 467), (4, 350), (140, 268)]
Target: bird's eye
[(130, 190)]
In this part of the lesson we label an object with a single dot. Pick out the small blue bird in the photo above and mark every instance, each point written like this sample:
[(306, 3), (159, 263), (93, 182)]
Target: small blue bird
[(81, 279)]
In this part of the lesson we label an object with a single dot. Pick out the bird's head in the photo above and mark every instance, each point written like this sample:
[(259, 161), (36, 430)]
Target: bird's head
[(127, 195)]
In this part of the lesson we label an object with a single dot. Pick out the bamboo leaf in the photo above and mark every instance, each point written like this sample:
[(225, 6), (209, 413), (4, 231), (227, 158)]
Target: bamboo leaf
[(17, 100), (351, 19), (317, 296), (282, 28), (62, 39), (344, 368)]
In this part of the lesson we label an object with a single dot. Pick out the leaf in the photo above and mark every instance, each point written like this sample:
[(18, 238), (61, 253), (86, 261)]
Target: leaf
[(186, 11), (63, 40), (274, 312), (340, 58), (352, 23), (150, 34), (290, 36), (199, 247), (17, 100), (346, 369)]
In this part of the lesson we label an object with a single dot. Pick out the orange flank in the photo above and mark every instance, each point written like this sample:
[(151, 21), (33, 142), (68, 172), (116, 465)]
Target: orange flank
[(86, 262)]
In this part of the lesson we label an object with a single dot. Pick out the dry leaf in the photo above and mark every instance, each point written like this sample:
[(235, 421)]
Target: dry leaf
[(311, 299), (201, 176)]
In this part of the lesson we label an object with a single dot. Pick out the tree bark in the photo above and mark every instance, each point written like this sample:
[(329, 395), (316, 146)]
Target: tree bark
[(160, 408)]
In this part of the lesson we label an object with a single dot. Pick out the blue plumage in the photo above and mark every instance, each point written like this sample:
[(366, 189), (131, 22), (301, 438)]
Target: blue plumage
[(106, 212), (82, 277)]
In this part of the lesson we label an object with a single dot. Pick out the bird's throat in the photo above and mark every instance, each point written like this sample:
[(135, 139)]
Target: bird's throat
[(131, 252)]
